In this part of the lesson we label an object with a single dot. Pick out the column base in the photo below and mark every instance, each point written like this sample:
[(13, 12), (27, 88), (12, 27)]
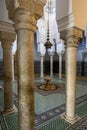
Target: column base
[(70, 119), (9, 111)]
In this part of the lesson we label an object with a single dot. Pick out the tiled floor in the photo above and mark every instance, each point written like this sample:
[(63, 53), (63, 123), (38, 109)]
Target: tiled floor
[(49, 106), (45, 103)]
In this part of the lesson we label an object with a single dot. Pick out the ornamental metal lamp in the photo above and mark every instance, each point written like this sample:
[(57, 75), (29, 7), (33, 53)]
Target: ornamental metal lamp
[(48, 44), (48, 86)]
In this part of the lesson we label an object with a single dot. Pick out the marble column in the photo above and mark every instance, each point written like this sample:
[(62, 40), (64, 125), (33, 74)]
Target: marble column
[(6, 41), (60, 65), (13, 77), (42, 68), (72, 41), (24, 14), (25, 28), (51, 65)]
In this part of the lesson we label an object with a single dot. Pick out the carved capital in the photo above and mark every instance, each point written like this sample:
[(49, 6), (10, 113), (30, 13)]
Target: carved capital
[(38, 8), (7, 39), (24, 19), (34, 7), (71, 31), (60, 54), (6, 45), (27, 5), (72, 41), (72, 36), (13, 5)]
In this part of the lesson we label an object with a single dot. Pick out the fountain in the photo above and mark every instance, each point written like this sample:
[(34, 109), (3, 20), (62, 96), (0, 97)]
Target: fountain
[(47, 86)]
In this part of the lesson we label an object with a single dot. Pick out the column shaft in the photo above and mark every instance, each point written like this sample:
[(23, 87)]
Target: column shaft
[(7, 66), (60, 65), (51, 65), (13, 68), (42, 69), (25, 60), (71, 51), (71, 82)]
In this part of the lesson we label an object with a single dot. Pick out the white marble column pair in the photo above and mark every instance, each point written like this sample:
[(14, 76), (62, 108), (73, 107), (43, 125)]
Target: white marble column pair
[(42, 67)]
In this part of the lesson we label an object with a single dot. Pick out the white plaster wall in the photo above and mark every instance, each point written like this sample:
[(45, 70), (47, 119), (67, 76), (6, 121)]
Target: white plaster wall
[(4, 12), (80, 13), (63, 8)]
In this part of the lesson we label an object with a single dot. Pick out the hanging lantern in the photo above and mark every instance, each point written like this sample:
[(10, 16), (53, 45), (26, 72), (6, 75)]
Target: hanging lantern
[(48, 44)]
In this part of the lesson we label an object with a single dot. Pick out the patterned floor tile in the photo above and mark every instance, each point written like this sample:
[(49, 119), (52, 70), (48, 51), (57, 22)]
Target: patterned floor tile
[(49, 120)]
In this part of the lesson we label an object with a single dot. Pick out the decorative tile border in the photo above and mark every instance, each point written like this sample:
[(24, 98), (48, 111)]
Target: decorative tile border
[(55, 112), (48, 115)]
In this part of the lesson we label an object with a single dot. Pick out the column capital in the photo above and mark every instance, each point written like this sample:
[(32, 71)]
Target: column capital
[(25, 13), (60, 54), (72, 41), (38, 8), (42, 55), (7, 38), (72, 36), (51, 54), (24, 20)]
